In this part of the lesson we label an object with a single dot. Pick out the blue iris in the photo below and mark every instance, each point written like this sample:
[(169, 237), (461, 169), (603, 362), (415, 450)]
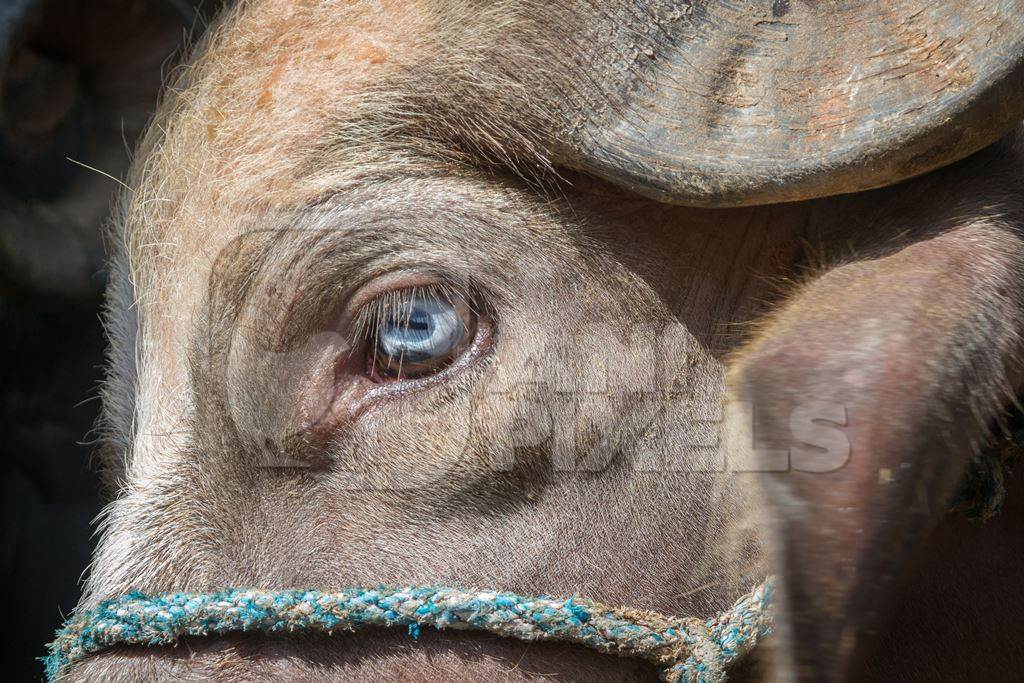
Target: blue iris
[(425, 329)]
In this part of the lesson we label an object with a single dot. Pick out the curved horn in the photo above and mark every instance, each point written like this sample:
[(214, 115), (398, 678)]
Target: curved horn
[(766, 101)]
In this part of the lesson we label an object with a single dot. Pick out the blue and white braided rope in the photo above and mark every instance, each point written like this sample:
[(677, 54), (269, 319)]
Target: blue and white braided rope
[(693, 650)]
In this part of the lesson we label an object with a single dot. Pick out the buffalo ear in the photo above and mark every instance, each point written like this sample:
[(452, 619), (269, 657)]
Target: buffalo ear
[(79, 79), (868, 403), (765, 101)]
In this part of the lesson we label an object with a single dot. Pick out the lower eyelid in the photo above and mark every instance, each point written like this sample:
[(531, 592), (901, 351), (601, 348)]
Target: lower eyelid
[(359, 394)]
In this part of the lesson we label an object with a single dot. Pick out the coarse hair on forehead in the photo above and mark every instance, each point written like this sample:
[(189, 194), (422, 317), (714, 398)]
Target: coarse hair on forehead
[(337, 93), (282, 104)]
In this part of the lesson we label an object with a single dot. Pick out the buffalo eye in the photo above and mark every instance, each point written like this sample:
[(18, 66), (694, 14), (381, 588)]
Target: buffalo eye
[(417, 332)]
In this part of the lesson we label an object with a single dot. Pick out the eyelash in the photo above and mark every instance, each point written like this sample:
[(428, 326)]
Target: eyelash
[(373, 314), (372, 317)]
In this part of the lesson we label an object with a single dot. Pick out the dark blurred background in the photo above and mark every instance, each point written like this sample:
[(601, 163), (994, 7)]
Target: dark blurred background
[(78, 81)]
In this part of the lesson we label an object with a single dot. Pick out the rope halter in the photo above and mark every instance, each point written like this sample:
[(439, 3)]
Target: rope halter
[(687, 649)]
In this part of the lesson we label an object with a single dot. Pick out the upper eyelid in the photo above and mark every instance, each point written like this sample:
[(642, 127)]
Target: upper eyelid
[(392, 281)]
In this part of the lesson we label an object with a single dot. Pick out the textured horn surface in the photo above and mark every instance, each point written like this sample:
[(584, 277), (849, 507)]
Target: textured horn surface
[(736, 102)]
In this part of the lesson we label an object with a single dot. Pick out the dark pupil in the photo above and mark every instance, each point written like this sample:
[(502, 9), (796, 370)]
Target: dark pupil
[(424, 329)]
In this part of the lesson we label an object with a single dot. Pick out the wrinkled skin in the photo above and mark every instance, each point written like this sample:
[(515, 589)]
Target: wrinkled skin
[(582, 447)]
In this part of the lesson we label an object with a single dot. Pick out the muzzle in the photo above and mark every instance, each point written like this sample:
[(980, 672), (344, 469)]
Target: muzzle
[(685, 649)]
